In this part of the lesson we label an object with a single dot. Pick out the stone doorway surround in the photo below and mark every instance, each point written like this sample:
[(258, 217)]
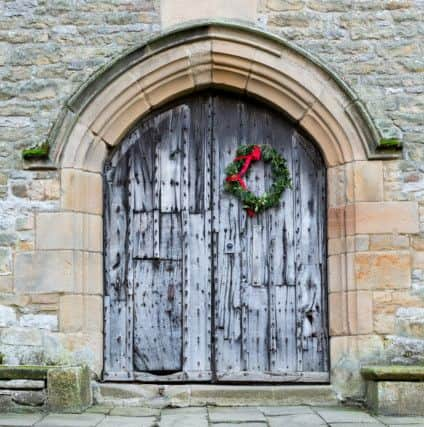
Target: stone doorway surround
[(68, 255)]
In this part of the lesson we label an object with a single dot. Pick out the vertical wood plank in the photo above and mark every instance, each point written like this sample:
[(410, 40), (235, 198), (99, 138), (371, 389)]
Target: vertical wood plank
[(158, 315)]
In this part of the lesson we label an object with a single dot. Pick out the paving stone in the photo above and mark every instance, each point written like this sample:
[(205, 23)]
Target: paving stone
[(128, 422), (264, 424), (401, 420), (285, 410), (345, 415), (187, 417), (355, 424), (236, 415), (135, 411), (71, 420), (299, 420), (99, 409), (21, 420)]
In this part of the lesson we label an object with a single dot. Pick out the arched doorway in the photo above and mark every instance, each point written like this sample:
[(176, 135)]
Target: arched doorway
[(195, 290)]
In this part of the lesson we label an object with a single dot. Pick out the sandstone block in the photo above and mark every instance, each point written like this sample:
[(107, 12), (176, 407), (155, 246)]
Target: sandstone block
[(383, 270), (360, 312), (71, 313), (366, 181), (68, 389), (82, 191), (336, 222), (382, 218), (395, 397), (338, 319), (69, 230), (79, 313), (385, 242), (42, 272), (178, 11)]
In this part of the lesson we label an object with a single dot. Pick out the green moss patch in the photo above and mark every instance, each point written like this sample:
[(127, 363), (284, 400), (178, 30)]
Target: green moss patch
[(23, 372), (39, 152), (389, 143), (393, 373)]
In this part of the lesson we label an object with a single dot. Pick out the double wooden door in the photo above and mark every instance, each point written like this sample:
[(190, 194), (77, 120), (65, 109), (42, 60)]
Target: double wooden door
[(196, 290)]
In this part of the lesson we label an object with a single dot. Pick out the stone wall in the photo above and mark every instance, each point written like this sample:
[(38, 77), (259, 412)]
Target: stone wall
[(49, 48)]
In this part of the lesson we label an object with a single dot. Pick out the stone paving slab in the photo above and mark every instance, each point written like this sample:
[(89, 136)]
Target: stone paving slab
[(247, 416), (21, 420), (345, 415), (299, 420), (244, 414), (135, 411), (128, 422), (70, 420), (401, 420), (285, 410)]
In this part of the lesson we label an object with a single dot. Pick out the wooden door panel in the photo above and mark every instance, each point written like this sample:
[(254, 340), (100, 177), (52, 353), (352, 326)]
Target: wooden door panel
[(157, 316), (192, 282)]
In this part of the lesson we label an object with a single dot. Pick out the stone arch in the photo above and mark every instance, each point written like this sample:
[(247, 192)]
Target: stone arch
[(207, 55), (237, 58)]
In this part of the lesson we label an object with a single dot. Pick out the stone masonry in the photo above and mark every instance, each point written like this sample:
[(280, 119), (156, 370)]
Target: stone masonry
[(49, 48)]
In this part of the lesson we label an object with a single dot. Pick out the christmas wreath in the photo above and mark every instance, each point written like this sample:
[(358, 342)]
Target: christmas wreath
[(234, 183)]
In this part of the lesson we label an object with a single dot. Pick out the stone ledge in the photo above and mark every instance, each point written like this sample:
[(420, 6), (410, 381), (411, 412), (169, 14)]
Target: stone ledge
[(393, 389), (26, 372), (68, 387), (393, 373)]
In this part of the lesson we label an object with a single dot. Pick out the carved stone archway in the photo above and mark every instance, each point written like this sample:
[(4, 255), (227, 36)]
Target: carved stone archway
[(260, 65)]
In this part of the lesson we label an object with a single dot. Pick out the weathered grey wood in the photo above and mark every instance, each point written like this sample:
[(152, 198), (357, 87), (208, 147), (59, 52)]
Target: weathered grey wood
[(158, 308), (194, 283), (275, 376)]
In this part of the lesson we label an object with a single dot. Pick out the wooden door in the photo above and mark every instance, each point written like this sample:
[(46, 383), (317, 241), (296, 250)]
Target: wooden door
[(195, 289)]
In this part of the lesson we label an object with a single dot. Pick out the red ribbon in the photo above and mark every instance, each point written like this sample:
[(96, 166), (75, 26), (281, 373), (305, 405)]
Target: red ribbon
[(253, 156)]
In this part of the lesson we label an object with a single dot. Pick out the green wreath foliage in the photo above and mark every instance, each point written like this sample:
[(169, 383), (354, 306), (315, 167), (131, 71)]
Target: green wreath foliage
[(280, 174)]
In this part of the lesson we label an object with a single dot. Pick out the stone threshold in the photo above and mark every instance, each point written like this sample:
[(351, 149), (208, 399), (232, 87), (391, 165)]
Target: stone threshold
[(184, 395)]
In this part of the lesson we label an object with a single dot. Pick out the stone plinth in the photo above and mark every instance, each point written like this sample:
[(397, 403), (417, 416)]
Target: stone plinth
[(395, 390)]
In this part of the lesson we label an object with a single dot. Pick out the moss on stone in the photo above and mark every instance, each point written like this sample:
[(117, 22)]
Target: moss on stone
[(69, 389), (27, 372), (389, 143), (393, 372), (39, 152)]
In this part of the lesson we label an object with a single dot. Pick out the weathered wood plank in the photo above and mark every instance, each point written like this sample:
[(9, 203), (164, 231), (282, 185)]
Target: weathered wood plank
[(157, 316)]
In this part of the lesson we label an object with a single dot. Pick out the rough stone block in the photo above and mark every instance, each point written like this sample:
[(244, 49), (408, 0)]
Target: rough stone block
[(395, 397), (42, 272), (383, 270), (20, 372), (29, 398), (7, 316), (41, 321), (69, 389), (22, 384)]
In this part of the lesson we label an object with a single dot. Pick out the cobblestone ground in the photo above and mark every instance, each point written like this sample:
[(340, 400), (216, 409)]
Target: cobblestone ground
[(287, 416)]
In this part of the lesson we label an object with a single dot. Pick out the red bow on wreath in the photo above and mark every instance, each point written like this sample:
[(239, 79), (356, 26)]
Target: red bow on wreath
[(253, 156)]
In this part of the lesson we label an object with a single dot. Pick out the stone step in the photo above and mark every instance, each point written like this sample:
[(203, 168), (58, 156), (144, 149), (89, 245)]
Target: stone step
[(158, 396)]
